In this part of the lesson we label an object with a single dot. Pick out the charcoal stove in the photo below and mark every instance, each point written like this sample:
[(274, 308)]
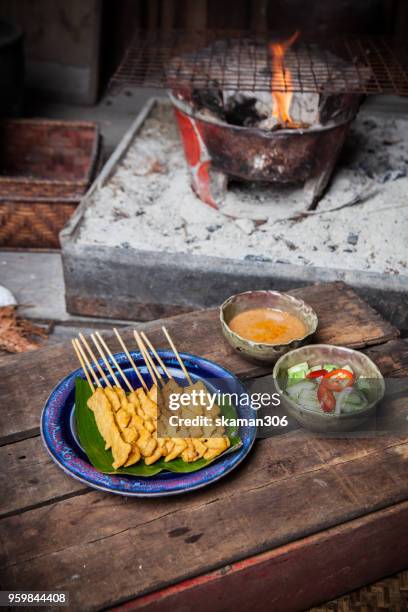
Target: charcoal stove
[(224, 88), (217, 152)]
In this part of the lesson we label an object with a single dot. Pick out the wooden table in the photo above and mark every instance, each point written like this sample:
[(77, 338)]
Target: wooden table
[(302, 520)]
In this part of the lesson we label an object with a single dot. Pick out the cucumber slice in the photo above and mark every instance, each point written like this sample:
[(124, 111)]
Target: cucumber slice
[(315, 368), (298, 371)]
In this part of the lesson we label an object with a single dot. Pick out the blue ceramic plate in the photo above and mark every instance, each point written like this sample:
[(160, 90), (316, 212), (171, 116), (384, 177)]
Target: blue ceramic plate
[(60, 438)]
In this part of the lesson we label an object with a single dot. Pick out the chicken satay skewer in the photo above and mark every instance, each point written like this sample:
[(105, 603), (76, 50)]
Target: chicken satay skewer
[(143, 351), (94, 359), (129, 356), (105, 361), (119, 369), (82, 362), (179, 359), (157, 356)]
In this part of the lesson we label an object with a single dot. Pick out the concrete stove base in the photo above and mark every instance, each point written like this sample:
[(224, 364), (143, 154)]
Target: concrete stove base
[(142, 246)]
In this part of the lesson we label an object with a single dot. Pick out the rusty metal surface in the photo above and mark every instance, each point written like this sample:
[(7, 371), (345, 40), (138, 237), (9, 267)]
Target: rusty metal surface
[(216, 152), (258, 155), (237, 61)]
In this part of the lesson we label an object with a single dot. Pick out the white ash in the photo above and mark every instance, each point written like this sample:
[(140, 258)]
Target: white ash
[(148, 204)]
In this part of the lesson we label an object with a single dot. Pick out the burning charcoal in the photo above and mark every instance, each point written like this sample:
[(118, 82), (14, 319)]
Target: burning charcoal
[(352, 238), (210, 99), (205, 87), (242, 110), (195, 78)]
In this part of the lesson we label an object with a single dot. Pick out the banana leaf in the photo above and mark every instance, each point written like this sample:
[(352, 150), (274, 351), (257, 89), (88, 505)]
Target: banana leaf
[(94, 446)]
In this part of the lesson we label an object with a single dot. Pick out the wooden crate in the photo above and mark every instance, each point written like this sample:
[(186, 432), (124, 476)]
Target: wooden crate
[(45, 169)]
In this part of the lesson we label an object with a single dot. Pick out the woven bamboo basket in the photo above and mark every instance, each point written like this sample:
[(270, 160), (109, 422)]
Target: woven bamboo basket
[(45, 169)]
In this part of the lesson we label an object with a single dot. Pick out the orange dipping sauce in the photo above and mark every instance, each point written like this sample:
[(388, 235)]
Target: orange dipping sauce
[(268, 326)]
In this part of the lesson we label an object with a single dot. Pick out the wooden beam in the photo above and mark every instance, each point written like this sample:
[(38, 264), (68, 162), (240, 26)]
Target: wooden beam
[(153, 14), (259, 15), (195, 14), (168, 12)]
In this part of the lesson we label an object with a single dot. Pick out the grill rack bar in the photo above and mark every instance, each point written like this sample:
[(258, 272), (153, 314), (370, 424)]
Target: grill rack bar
[(232, 60)]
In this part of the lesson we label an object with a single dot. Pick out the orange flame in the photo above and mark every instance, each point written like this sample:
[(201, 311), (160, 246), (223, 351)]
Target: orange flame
[(281, 78)]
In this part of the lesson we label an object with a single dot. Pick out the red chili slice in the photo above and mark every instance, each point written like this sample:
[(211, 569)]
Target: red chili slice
[(326, 398), (316, 374), (339, 379)]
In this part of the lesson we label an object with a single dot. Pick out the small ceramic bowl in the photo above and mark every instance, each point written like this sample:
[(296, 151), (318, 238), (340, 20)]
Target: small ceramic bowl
[(257, 351), (318, 354)]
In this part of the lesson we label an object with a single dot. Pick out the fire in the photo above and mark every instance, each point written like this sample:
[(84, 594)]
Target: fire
[(281, 77)]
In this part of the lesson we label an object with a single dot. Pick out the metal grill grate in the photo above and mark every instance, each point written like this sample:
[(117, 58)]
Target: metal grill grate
[(235, 61)]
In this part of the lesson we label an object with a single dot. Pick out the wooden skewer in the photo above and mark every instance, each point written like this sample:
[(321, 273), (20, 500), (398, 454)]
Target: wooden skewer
[(86, 360), (105, 361), (152, 364), (179, 359), (119, 369), (81, 361), (151, 361), (129, 356), (92, 354), (155, 353), (144, 355)]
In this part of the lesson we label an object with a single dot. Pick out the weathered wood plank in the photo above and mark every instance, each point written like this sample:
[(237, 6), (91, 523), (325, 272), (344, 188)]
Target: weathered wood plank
[(128, 547), (391, 358), (298, 575), (344, 319), (29, 478), (341, 312)]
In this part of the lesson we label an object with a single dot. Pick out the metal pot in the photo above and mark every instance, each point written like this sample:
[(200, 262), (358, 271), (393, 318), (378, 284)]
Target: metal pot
[(216, 151)]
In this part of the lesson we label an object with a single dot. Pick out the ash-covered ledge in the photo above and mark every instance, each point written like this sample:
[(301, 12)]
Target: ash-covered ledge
[(142, 245)]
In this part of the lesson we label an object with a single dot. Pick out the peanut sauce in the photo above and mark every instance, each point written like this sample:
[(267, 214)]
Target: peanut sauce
[(268, 325)]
